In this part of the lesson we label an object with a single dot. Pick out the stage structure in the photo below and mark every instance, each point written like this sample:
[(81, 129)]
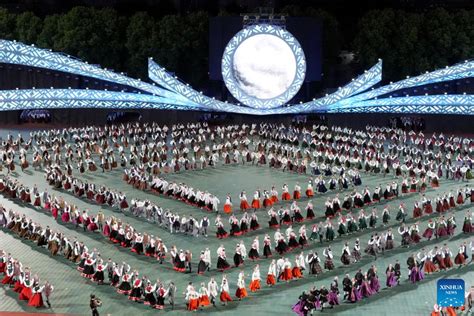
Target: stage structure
[(246, 82)]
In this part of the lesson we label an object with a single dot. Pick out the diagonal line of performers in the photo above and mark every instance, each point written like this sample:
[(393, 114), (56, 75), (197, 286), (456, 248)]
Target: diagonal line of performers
[(140, 243), (140, 288)]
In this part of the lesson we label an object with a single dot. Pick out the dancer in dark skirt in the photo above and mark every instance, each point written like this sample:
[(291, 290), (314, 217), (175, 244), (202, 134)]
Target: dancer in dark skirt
[(310, 211), (281, 247), (356, 251), (313, 263), (221, 233), (253, 253), (273, 222), (99, 273), (254, 225), (346, 254), (136, 294), (138, 244), (204, 261), (222, 263), (238, 256), (328, 263), (150, 299), (267, 243), (125, 287)]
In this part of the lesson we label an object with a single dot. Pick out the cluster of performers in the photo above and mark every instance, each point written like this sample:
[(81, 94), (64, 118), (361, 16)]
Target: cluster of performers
[(82, 189), (23, 281), (267, 198), (364, 285), (139, 243), (377, 243), (60, 209), (166, 219), (347, 223), (139, 178), (333, 205), (69, 213), (141, 289), (89, 263), (335, 155), (377, 149), (139, 208)]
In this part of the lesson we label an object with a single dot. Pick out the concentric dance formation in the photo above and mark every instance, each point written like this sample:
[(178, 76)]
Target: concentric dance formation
[(230, 217)]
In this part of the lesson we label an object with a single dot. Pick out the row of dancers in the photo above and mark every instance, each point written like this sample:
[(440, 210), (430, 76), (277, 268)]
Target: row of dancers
[(347, 223), (141, 289), (344, 142), (364, 285), (23, 281), (69, 213), (180, 191), (97, 194), (90, 263)]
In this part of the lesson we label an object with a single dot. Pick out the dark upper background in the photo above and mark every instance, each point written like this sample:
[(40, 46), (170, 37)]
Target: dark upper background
[(410, 36)]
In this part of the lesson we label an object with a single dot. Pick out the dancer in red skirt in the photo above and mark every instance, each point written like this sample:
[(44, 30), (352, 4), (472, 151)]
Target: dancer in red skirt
[(427, 207), (244, 204), (285, 196), (36, 299), (271, 275), (241, 291), (429, 230), (417, 210), (9, 272), (287, 273), (428, 266), (204, 296), (267, 201), (448, 262), (224, 296), (228, 205), (274, 195), (193, 298), (26, 291), (461, 256), (309, 190), (460, 198), (297, 269), (297, 192), (256, 200), (255, 284)]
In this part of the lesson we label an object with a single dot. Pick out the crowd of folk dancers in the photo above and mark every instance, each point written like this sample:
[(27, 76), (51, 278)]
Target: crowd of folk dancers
[(335, 156), (140, 288), (334, 206), (146, 209), (318, 149), (145, 244), (90, 264), (22, 280), (364, 285), (125, 235)]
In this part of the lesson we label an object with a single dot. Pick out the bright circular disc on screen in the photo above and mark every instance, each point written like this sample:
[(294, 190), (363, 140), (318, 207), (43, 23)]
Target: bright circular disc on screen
[(263, 66)]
